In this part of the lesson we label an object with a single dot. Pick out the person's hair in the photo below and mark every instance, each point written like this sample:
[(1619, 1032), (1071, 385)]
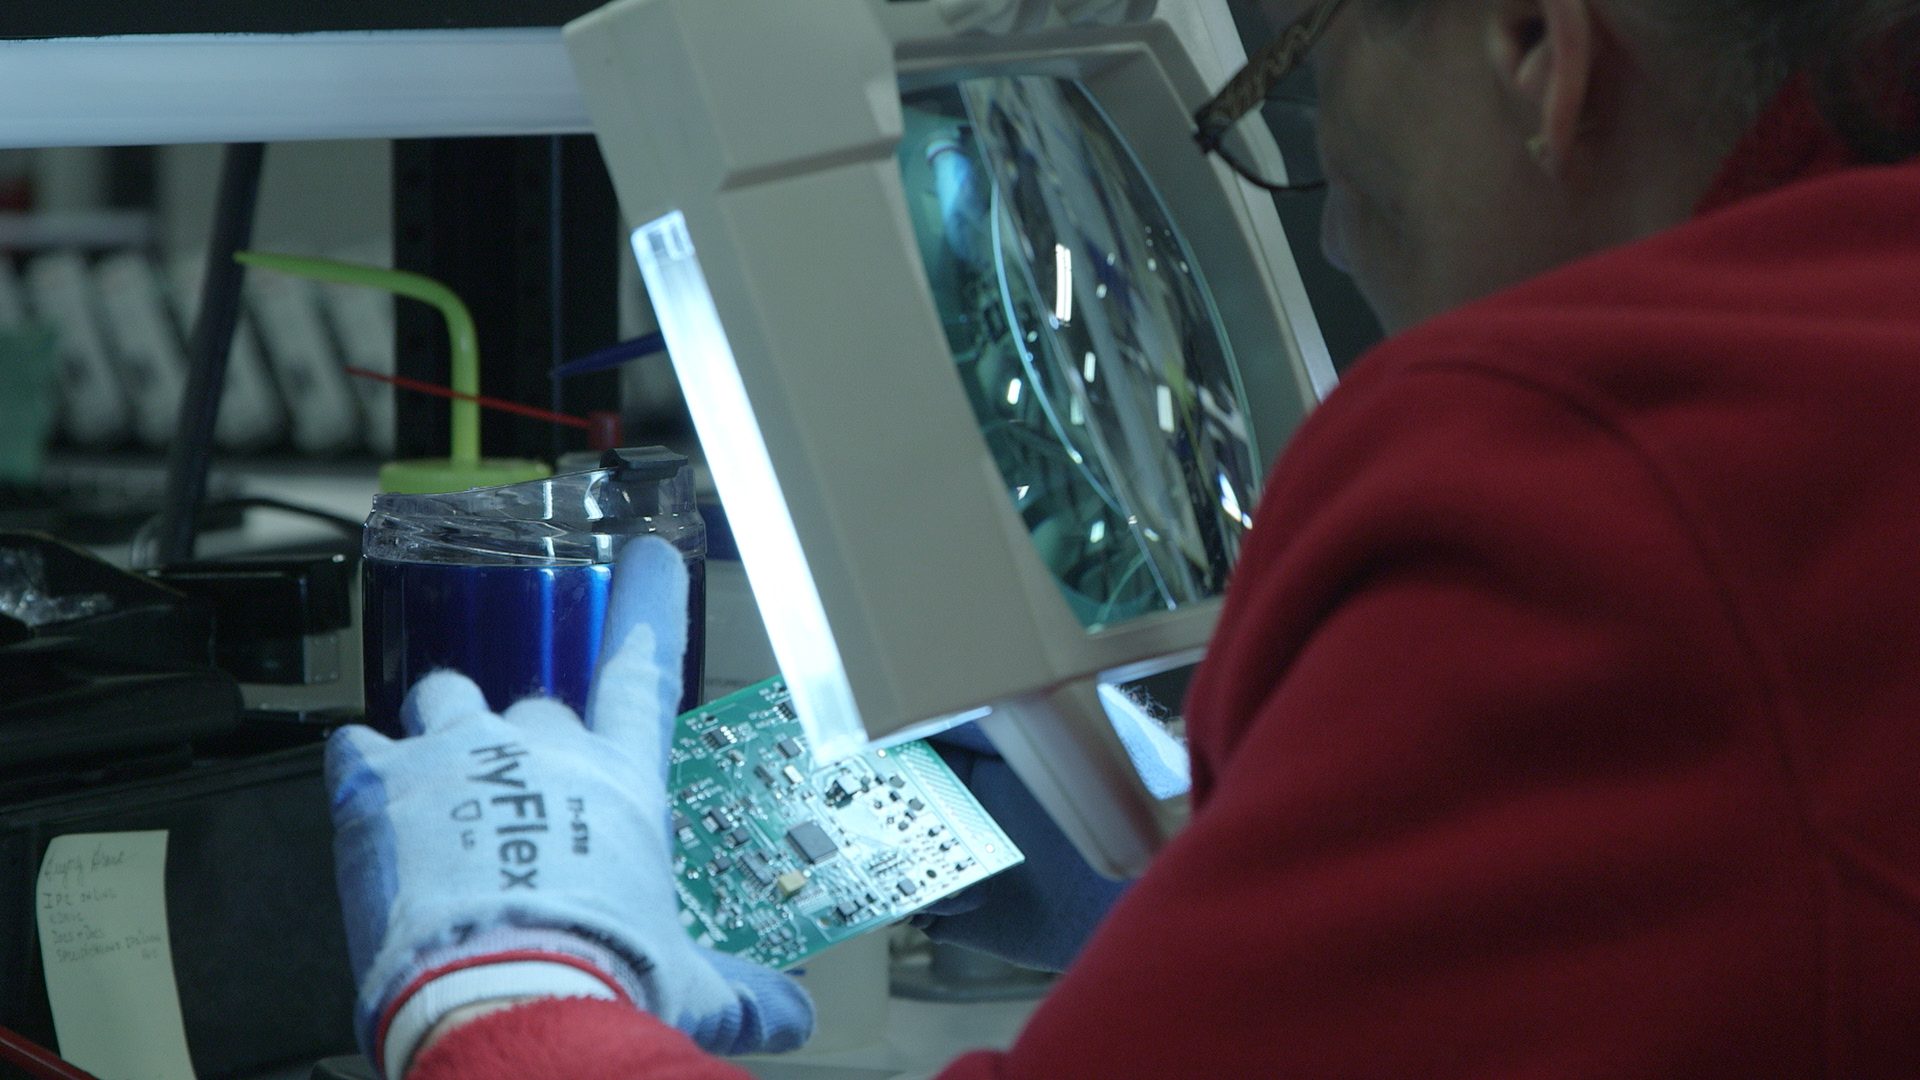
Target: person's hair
[(1869, 77), (1862, 58)]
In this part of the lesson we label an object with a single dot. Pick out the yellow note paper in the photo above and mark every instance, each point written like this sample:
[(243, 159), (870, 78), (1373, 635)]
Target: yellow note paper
[(102, 910)]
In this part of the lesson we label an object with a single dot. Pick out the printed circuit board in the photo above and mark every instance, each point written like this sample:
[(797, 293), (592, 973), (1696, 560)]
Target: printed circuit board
[(780, 857)]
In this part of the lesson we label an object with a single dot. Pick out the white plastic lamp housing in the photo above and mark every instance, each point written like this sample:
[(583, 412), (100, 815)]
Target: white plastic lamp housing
[(1103, 11), (994, 16), (755, 154)]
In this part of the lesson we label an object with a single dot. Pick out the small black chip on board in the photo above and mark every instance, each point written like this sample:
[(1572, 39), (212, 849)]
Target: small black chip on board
[(812, 842)]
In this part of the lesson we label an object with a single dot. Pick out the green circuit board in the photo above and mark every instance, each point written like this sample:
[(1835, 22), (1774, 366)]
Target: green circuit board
[(780, 856)]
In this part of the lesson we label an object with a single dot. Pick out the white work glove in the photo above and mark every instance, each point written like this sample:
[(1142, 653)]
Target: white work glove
[(496, 856)]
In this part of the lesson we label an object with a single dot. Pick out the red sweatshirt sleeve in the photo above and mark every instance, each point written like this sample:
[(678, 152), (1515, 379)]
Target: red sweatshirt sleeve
[(575, 1038)]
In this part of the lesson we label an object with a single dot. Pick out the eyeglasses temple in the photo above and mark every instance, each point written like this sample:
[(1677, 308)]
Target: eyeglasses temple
[(1250, 85), (1254, 178)]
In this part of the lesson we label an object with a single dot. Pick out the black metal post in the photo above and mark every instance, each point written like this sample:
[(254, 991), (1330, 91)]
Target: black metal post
[(191, 454)]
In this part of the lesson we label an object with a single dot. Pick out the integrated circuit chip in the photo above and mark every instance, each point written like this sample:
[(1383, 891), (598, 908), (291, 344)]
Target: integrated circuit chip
[(812, 842)]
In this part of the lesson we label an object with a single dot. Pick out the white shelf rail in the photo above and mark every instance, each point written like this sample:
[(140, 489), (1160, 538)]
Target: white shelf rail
[(154, 89)]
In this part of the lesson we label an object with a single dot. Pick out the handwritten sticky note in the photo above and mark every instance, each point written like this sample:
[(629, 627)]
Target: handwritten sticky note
[(102, 909)]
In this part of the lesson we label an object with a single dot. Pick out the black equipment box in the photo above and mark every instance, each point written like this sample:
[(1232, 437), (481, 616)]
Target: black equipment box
[(259, 952), (124, 671)]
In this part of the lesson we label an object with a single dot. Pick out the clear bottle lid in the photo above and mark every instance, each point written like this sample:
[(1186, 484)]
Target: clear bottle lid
[(574, 519)]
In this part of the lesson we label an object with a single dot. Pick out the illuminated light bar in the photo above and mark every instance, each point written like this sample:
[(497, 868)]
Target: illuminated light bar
[(763, 527)]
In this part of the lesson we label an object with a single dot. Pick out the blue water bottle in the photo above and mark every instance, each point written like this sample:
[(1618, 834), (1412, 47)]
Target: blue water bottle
[(509, 585)]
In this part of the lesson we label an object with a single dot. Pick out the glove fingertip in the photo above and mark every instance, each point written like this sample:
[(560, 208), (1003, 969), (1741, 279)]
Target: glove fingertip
[(541, 714), (346, 773), (439, 698), (777, 1013), (649, 588)]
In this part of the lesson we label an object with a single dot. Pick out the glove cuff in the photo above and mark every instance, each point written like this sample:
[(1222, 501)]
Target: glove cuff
[(471, 979)]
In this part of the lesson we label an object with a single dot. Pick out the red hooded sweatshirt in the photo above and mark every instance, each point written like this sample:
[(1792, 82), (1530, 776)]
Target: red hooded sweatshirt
[(1564, 717)]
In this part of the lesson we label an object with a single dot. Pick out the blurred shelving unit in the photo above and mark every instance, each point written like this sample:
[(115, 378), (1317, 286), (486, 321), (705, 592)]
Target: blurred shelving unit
[(101, 229), (488, 149)]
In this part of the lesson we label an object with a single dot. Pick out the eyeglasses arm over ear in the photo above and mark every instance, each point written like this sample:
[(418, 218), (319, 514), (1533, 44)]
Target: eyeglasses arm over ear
[(1250, 86)]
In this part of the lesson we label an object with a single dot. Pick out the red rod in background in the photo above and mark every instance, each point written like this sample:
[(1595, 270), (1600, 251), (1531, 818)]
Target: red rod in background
[(437, 390), (37, 1060)]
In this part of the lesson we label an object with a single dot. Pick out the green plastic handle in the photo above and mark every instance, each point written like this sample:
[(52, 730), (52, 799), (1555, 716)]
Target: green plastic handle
[(465, 451)]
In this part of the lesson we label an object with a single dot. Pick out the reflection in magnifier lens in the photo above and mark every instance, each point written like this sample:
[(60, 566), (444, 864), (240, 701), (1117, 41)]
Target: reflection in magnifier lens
[(1086, 340)]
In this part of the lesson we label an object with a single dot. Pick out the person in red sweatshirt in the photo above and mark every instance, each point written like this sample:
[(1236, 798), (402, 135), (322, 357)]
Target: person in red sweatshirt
[(1564, 715)]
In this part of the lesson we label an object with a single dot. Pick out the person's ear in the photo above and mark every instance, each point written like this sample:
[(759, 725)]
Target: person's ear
[(1544, 53)]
